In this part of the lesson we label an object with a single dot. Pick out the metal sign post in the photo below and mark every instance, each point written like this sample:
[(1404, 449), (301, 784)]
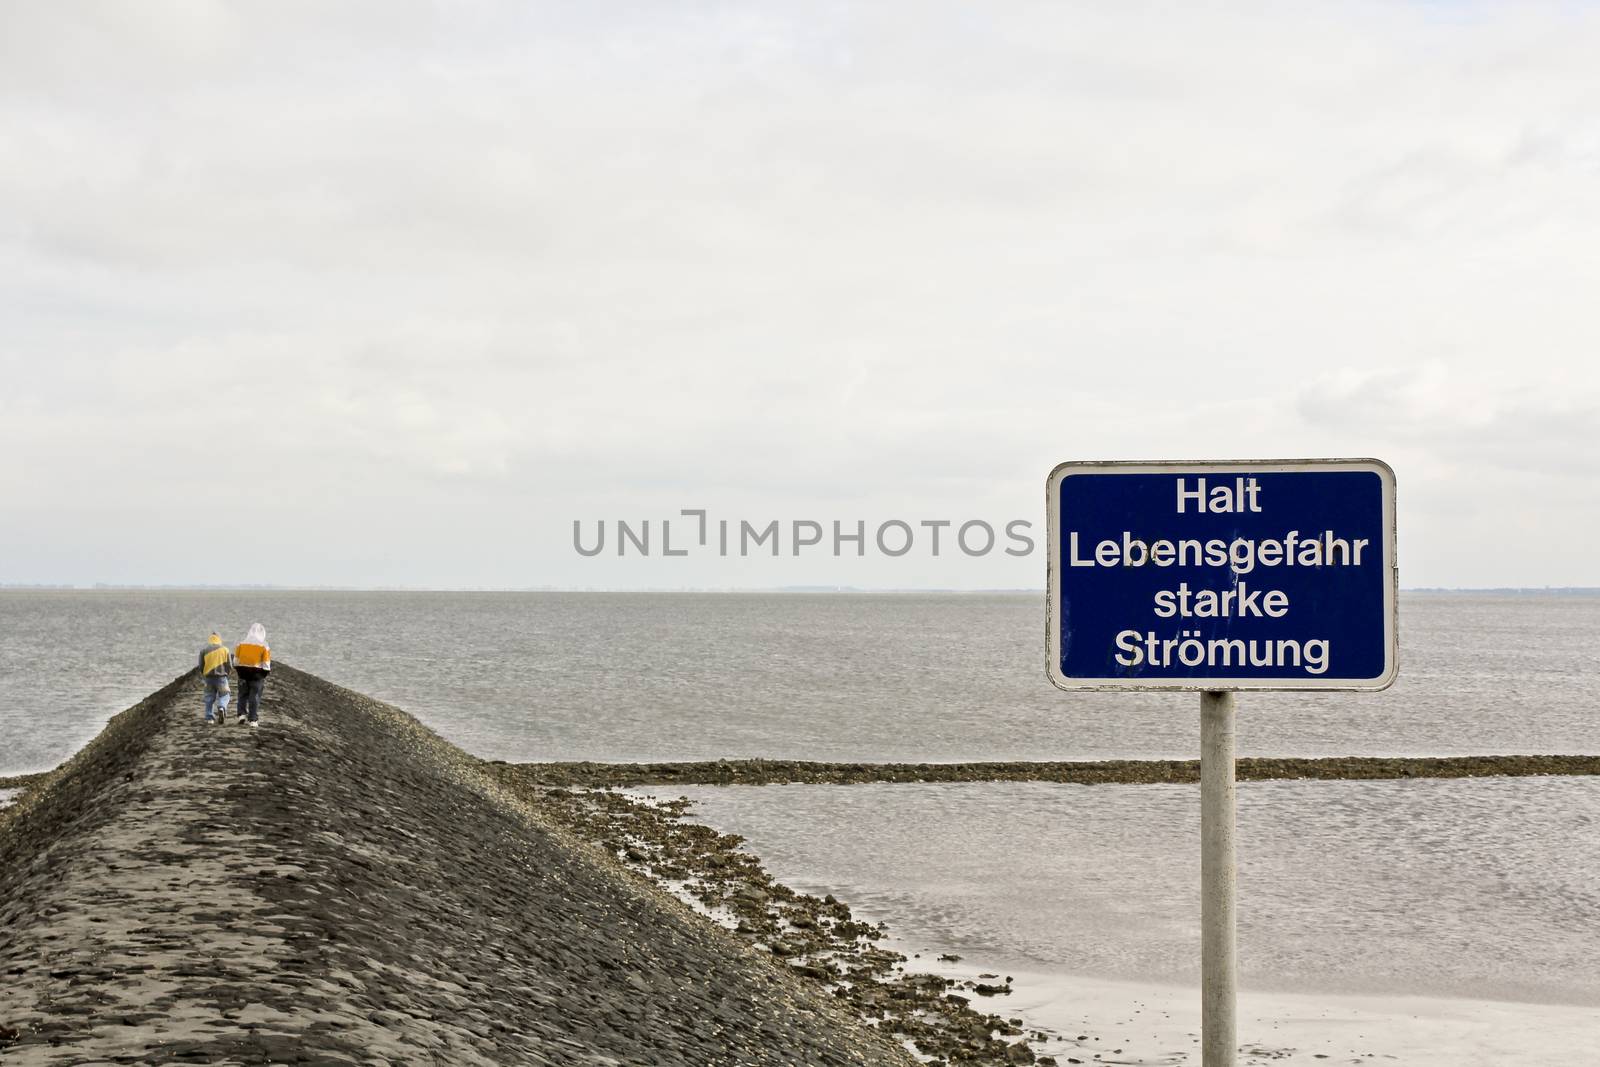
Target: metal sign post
[(1219, 981), (1215, 578)]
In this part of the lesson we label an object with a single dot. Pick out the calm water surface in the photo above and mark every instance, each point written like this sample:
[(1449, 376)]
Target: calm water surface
[(1480, 888)]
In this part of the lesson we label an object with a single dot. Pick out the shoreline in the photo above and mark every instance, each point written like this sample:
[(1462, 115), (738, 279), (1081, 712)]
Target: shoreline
[(1093, 1019), (943, 1019), (1065, 1017), (1072, 1017)]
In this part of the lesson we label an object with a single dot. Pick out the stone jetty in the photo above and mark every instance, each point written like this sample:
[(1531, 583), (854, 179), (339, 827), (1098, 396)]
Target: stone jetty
[(1097, 772), (341, 886)]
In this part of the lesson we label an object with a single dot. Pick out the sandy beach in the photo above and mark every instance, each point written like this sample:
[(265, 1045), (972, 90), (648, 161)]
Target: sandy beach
[(1153, 1025)]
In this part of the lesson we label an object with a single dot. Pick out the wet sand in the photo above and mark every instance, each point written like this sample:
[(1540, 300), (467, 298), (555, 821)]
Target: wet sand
[(1094, 1020), (341, 886)]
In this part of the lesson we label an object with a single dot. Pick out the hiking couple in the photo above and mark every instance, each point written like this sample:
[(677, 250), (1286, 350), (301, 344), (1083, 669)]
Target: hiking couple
[(252, 659)]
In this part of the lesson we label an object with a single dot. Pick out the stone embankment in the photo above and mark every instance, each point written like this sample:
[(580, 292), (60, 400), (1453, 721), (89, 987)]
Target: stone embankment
[(341, 886), (1101, 772)]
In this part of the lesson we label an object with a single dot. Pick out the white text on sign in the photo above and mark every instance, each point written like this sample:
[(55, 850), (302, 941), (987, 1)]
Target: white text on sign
[(1242, 496), (1241, 555)]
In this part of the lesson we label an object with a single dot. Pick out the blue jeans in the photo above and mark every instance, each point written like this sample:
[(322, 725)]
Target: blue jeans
[(216, 694), (250, 695)]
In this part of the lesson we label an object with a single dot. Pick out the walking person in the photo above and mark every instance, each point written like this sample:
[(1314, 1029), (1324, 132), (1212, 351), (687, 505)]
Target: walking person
[(253, 660), (214, 664)]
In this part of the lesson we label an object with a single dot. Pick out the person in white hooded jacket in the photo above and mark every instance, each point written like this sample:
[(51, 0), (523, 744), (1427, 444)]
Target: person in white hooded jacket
[(253, 660)]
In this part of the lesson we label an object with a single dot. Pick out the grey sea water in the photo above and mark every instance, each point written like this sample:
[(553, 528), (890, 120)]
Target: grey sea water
[(1478, 888), (1487, 889), (938, 677)]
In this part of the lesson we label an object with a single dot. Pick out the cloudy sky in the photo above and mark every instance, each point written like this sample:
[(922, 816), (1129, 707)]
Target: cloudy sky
[(392, 293)]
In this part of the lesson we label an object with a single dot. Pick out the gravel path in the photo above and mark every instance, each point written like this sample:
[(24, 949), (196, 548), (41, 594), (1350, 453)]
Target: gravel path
[(341, 886)]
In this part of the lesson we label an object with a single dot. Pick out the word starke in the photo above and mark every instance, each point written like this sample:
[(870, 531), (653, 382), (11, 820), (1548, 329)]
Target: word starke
[(1239, 602)]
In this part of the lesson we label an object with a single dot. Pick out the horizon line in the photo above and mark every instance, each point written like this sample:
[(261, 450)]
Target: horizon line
[(788, 589)]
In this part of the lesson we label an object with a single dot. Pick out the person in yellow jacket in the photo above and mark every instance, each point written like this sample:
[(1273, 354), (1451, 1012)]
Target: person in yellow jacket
[(253, 660), (214, 664)]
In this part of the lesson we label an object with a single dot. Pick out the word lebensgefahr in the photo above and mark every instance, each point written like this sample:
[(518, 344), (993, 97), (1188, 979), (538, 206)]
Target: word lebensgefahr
[(1241, 554)]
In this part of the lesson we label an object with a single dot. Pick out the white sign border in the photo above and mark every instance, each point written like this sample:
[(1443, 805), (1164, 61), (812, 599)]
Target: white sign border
[(1391, 586)]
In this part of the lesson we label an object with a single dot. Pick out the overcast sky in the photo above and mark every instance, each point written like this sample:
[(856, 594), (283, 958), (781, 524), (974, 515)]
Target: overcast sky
[(393, 293)]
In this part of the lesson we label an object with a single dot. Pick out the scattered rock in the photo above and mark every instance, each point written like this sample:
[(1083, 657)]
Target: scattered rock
[(817, 938)]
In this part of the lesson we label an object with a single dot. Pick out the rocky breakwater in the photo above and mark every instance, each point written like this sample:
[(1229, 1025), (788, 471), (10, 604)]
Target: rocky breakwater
[(1098, 772), (341, 886)]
